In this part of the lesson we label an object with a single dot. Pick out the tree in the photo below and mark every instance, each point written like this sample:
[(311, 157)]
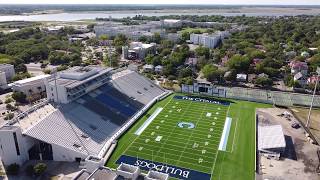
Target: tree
[(120, 40), (264, 81), (39, 168), (149, 59), (143, 39), (104, 37), (10, 107), (112, 61), (185, 72), (202, 51), (210, 72), (13, 169), (185, 36), (20, 76), (239, 63), (9, 116), (29, 170), (156, 38), (19, 96)]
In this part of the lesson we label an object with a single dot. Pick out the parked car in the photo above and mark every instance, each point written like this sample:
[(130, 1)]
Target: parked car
[(295, 125)]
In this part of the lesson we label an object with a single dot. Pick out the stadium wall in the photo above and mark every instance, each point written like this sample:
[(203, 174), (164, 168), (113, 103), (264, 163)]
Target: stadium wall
[(256, 95)]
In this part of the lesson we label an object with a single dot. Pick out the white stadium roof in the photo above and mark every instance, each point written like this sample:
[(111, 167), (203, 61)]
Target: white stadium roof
[(270, 137)]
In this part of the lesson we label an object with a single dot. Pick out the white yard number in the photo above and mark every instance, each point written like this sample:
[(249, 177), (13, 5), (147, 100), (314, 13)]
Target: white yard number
[(200, 160), (195, 145)]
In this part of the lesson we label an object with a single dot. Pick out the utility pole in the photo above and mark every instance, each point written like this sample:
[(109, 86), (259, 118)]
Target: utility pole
[(314, 93)]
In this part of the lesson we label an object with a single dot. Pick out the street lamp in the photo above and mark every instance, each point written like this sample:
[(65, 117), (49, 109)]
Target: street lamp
[(314, 93)]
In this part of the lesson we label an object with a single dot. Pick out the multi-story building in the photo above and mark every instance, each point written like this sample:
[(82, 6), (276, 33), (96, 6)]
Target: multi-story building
[(209, 40), (30, 86), (75, 82), (133, 32), (8, 69), (138, 50)]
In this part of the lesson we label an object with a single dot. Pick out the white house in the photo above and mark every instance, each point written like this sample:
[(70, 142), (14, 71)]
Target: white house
[(158, 69), (241, 77), (148, 68)]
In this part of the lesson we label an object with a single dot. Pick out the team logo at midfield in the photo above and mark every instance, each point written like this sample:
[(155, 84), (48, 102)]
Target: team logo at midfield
[(187, 125)]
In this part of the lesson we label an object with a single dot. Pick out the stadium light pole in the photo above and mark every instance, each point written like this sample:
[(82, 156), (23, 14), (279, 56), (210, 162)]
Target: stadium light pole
[(314, 93)]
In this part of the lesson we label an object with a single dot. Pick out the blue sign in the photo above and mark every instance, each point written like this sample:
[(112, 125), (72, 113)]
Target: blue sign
[(205, 100), (173, 171)]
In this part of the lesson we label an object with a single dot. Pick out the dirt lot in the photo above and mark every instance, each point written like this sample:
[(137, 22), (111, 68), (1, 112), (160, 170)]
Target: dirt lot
[(299, 161), (302, 114)]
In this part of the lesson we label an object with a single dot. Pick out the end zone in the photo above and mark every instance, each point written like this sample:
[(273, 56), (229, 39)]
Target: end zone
[(173, 171)]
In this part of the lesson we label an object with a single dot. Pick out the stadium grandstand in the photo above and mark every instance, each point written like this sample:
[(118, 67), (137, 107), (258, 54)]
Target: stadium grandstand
[(87, 109)]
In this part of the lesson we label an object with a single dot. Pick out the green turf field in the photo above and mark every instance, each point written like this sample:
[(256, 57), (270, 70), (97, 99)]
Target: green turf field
[(167, 141)]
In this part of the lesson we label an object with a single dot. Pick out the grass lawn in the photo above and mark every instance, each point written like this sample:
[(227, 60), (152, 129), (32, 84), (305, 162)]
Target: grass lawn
[(192, 30), (186, 134), (302, 114)]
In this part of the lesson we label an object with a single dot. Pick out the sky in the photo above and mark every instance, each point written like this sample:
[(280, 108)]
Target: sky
[(247, 2)]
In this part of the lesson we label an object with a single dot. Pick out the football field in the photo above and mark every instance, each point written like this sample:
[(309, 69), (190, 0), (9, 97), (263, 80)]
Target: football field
[(182, 136)]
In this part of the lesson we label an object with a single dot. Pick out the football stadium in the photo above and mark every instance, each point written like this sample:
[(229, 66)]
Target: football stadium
[(118, 123), (193, 137)]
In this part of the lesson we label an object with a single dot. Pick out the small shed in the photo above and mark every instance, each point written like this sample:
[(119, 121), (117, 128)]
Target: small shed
[(271, 140)]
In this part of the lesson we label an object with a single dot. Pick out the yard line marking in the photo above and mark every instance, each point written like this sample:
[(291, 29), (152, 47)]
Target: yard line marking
[(188, 157), (192, 132), (164, 142), (151, 146), (138, 136)]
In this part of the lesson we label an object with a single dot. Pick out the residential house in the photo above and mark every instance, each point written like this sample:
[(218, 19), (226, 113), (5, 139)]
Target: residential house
[(191, 61), (158, 69), (300, 78), (313, 79), (305, 54), (298, 66), (241, 77), (148, 68)]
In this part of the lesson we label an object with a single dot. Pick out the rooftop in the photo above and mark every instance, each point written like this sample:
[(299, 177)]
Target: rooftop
[(270, 137), (6, 65), (29, 80), (75, 76), (31, 117), (103, 173)]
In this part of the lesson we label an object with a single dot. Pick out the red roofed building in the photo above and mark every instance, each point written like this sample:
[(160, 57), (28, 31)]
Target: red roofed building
[(313, 79), (298, 66)]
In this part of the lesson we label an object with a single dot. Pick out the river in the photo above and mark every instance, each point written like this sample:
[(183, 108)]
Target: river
[(92, 15)]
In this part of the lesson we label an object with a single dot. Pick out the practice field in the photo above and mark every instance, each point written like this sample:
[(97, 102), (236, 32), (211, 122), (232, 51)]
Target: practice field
[(181, 136)]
